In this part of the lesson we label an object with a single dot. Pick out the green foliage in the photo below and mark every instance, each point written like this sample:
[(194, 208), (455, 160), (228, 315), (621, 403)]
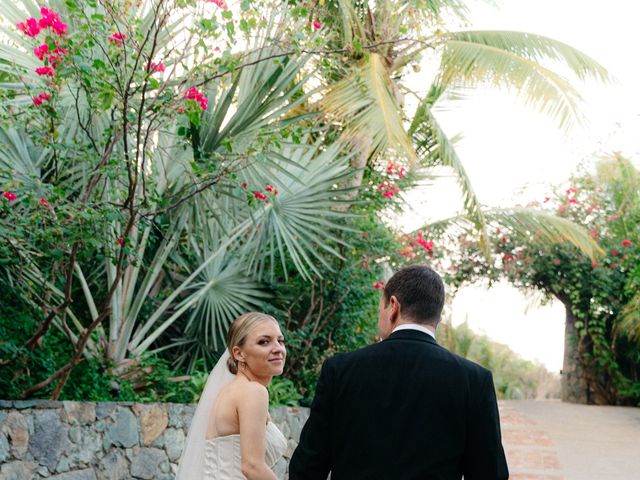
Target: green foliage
[(92, 380), (283, 393), (339, 311)]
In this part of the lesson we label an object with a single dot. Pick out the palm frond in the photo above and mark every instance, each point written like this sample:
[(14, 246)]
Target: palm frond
[(20, 159), (365, 103), (436, 149), (540, 226), (511, 59)]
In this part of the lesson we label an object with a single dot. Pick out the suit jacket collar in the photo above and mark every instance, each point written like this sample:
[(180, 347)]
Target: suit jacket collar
[(411, 335)]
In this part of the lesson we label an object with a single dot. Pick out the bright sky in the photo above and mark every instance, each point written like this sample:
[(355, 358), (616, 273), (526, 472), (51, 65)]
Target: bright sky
[(513, 154)]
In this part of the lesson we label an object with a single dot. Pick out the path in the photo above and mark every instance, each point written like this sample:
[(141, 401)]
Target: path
[(550, 440)]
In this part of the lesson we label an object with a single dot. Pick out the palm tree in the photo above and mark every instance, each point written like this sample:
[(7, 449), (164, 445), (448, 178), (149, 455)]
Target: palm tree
[(365, 91)]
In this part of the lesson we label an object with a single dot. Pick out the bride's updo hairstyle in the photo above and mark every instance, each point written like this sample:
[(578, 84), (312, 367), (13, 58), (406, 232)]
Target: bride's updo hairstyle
[(238, 332)]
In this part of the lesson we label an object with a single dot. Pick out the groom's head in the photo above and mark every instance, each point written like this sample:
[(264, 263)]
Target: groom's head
[(414, 294)]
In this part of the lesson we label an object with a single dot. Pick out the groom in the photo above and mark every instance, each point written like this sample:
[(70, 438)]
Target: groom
[(404, 408)]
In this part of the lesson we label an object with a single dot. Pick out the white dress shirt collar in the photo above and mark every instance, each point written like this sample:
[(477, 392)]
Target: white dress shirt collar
[(414, 326)]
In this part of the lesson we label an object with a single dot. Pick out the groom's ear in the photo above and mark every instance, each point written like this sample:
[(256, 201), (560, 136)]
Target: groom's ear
[(394, 314)]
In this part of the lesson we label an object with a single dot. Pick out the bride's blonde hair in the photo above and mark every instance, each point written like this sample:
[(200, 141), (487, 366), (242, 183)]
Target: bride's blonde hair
[(238, 332)]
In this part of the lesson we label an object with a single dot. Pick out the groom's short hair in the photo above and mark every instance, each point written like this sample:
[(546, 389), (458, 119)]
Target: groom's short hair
[(420, 292)]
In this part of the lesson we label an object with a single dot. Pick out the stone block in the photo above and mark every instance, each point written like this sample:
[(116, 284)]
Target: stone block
[(180, 415), (79, 413), (174, 443), (50, 438), (85, 474), (114, 466), (16, 471), (104, 410), (153, 421), (17, 429), (124, 431), (146, 463)]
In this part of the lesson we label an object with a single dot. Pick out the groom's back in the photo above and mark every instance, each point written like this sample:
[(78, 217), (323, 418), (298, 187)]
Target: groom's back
[(404, 408), (400, 410)]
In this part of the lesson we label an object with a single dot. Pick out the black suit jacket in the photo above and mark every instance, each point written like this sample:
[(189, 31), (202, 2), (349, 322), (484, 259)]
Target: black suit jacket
[(406, 409)]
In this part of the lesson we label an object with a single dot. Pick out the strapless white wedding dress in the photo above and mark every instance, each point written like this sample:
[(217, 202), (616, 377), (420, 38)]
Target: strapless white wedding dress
[(222, 454)]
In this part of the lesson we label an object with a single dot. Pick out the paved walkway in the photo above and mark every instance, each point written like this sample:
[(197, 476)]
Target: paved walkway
[(551, 440)]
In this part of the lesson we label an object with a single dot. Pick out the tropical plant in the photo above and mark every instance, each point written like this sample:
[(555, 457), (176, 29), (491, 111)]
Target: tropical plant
[(164, 203)]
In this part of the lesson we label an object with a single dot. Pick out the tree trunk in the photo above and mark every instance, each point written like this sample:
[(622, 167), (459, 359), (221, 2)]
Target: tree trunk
[(575, 388)]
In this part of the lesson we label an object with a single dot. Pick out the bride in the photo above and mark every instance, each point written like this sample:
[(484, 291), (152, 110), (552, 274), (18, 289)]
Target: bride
[(231, 435)]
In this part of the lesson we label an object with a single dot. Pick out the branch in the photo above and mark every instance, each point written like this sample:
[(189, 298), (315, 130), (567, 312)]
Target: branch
[(311, 52)]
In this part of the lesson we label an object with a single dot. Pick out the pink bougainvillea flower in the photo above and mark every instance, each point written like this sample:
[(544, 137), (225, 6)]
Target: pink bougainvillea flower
[(56, 56), (120, 241), (59, 27), (388, 188), (594, 265), (41, 51), (156, 67), (260, 196), (271, 189), (117, 39), (244, 184), (424, 243), (379, 285), (48, 17), (395, 170), (614, 252), (626, 243), (571, 191), (573, 200), (45, 71), (43, 201), (613, 265), (9, 196), (41, 98), (30, 27), (317, 25), (221, 3), (194, 94)]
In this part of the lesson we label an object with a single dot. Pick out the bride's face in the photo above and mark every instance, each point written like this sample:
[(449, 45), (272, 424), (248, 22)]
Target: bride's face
[(263, 350)]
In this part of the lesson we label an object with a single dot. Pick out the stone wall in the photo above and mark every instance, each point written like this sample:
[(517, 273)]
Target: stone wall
[(106, 441)]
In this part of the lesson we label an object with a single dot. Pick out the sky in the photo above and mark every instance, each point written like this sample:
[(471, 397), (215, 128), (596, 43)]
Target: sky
[(514, 154)]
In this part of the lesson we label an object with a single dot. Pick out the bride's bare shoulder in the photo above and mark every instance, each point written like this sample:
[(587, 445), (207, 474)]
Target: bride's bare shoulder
[(253, 388), (241, 387)]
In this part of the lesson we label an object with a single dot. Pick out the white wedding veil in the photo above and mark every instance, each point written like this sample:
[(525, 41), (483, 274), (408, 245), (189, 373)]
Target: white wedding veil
[(191, 466)]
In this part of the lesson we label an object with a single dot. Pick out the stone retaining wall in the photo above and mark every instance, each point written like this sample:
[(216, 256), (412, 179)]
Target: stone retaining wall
[(106, 441)]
